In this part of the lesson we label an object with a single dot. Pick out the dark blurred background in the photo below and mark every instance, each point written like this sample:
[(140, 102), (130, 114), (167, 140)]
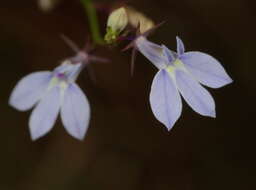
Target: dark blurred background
[(126, 147)]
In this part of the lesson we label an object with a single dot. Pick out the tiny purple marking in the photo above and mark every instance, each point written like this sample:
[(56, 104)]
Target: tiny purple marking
[(60, 75)]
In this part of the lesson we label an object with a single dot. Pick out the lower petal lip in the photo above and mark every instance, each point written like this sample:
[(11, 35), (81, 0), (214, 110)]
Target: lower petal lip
[(206, 69), (197, 97)]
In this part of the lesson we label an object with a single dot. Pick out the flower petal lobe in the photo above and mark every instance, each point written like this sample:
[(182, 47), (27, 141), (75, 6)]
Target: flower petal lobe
[(197, 97), (206, 69), (75, 112), (45, 114), (180, 46), (29, 90), (165, 100)]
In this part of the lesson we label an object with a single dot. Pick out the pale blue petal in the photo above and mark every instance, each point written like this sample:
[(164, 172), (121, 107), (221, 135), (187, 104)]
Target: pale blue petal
[(206, 69), (152, 51), (165, 100), (45, 114), (195, 95), (75, 112), (169, 55), (180, 46), (29, 90)]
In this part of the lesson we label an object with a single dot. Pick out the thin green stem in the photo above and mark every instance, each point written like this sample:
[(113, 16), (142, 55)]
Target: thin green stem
[(93, 21)]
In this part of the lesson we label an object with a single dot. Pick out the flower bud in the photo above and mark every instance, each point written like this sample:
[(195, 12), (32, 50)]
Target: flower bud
[(117, 21)]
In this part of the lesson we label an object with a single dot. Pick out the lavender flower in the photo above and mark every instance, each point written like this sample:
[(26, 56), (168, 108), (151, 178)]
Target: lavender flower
[(51, 93), (182, 73)]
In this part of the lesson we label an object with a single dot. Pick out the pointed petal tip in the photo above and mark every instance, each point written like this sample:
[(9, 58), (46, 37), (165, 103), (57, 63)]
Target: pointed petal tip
[(169, 128), (168, 125), (213, 114), (180, 46), (33, 137), (226, 80), (178, 38), (36, 134), (229, 80), (14, 105), (79, 137)]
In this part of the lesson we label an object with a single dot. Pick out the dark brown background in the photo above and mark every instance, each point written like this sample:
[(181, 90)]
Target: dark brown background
[(126, 148)]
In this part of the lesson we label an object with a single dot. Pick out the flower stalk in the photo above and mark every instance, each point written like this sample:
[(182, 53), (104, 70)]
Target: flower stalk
[(93, 21)]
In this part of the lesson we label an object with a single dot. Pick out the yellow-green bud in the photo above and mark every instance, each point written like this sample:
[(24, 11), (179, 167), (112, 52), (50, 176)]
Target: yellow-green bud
[(117, 21)]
